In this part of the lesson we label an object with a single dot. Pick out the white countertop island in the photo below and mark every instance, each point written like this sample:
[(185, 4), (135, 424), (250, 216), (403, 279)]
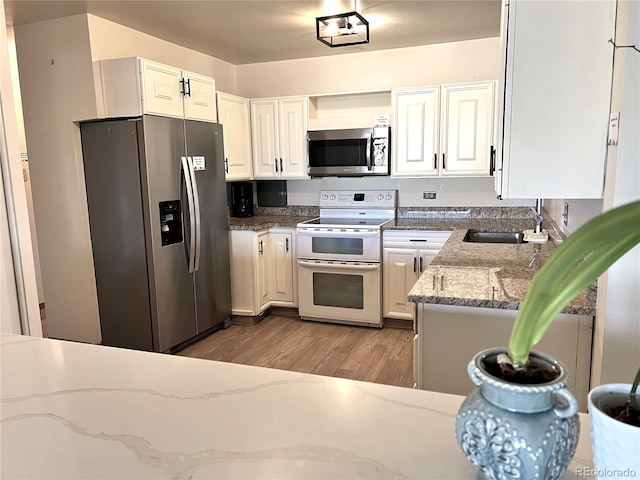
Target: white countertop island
[(71, 410)]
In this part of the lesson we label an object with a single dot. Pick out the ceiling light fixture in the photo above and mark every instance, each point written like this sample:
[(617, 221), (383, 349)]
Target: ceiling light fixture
[(342, 29)]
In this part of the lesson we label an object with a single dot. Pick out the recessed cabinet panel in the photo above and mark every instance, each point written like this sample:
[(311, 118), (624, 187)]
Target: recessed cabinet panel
[(443, 130), (467, 129), (415, 137), (278, 129), (200, 97), (233, 114), (161, 86)]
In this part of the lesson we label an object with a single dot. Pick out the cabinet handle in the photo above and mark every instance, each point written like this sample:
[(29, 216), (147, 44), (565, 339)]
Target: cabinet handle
[(281, 167), (226, 165), (188, 87), (434, 283), (493, 293), (286, 244), (276, 165), (442, 283), (444, 165), (420, 264), (435, 161), (492, 160), (181, 82), (260, 248), (414, 264)]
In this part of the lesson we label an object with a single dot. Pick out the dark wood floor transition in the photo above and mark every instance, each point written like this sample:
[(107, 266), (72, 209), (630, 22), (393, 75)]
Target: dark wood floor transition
[(288, 343)]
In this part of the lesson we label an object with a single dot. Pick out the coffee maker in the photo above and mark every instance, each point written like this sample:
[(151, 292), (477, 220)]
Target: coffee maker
[(242, 199)]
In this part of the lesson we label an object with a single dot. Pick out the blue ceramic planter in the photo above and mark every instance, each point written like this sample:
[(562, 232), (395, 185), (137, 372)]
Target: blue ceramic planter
[(513, 431)]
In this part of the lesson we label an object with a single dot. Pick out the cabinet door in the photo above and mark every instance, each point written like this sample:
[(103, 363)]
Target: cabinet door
[(264, 138), (281, 266), (400, 272), (415, 137), (199, 97), (467, 129), (233, 114), (556, 98), (161, 89), (262, 268), (292, 123)]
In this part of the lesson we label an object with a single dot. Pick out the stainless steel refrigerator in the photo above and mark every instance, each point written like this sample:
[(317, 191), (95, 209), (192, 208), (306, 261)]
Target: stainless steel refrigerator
[(158, 215)]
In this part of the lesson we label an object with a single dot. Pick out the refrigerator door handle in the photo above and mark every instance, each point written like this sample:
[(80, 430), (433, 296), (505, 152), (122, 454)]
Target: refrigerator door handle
[(196, 208), (186, 172)]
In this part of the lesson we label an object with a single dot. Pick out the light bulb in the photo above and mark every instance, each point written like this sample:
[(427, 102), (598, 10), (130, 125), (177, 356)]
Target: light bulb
[(331, 29)]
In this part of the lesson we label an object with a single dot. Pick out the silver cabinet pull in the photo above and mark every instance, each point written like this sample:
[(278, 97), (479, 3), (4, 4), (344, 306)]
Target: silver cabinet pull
[(434, 283), (442, 283), (286, 244), (260, 248)]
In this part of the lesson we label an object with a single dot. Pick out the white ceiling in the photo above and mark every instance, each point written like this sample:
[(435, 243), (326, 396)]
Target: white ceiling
[(240, 32)]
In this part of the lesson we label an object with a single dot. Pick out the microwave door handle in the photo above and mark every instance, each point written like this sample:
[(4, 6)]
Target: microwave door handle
[(369, 142)]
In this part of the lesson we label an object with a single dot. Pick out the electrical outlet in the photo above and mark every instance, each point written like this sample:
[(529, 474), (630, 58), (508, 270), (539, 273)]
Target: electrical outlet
[(428, 195)]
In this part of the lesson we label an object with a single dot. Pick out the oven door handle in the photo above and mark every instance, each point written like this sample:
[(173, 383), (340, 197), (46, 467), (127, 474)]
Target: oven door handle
[(338, 233), (339, 266)]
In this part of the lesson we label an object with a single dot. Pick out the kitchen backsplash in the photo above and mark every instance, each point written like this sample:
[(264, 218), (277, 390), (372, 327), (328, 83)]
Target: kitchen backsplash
[(464, 212)]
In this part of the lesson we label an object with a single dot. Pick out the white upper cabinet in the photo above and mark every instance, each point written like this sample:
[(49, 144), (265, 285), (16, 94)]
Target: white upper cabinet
[(278, 137), (443, 130), (416, 137), (135, 86), (467, 129), (555, 98), (233, 114)]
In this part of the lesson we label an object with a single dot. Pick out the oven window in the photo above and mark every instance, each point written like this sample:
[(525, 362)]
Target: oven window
[(338, 153), (338, 290), (342, 246)]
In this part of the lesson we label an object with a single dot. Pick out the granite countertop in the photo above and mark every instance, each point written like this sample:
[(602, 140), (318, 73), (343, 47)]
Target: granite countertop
[(73, 410), (488, 275), (260, 222)]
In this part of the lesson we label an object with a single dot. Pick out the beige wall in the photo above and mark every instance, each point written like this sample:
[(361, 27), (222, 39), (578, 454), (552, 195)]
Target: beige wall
[(19, 312), (468, 61), (111, 40), (56, 79)]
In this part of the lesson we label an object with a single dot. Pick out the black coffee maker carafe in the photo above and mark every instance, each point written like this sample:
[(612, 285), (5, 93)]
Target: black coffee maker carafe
[(242, 199)]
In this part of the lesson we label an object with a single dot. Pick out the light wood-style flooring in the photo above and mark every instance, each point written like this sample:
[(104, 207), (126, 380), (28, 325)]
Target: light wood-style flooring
[(288, 343)]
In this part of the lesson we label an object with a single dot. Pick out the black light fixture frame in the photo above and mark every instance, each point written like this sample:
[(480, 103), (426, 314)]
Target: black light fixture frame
[(338, 16)]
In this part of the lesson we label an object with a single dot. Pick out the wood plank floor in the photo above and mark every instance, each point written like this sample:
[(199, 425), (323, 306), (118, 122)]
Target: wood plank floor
[(288, 343)]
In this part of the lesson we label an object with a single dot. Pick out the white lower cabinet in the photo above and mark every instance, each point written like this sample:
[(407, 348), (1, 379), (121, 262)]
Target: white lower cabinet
[(263, 272), (447, 338), (406, 255)]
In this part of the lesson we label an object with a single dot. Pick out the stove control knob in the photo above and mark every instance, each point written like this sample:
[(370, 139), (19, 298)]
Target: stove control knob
[(333, 197), (380, 196), (389, 197), (325, 197)]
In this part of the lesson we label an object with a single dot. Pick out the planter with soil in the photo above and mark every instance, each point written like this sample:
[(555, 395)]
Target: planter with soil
[(518, 425), (615, 432)]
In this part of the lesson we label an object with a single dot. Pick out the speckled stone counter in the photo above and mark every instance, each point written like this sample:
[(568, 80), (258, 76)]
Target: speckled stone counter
[(260, 222), (484, 274)]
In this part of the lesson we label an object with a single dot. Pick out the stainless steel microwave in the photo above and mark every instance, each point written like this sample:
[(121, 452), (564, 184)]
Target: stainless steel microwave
[(353, 152)]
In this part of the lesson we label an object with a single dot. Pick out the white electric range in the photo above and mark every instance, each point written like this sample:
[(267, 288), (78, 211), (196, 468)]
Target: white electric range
[(339, 257)]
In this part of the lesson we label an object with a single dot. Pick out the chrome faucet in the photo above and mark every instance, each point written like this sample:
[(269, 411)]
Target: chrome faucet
[(537, 215)]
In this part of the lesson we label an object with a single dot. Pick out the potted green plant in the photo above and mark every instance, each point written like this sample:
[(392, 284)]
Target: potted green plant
[(521, 421), (614, 415)]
